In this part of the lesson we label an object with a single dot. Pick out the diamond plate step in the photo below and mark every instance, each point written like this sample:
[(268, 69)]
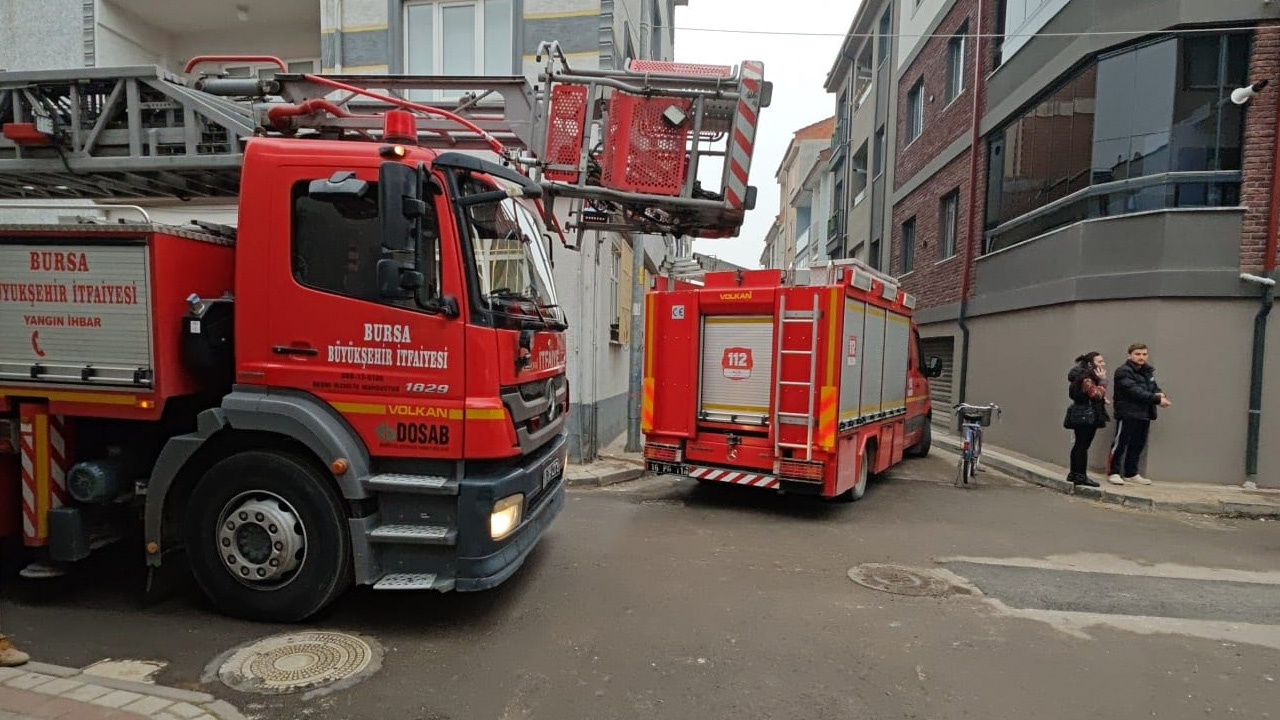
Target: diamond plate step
[(414, 581), (415, 534), (416, 484)]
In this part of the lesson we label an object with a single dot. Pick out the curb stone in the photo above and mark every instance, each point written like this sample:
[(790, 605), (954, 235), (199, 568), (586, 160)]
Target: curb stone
[(1029, 473), (155, 701), (603, 478)]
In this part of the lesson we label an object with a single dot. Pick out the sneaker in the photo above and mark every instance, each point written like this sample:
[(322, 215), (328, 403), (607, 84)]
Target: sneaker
[(1138, 479), (1115, 479), (10, 655)]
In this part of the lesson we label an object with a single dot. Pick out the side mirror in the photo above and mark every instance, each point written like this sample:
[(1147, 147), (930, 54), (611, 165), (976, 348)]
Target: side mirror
[(342, 184), (399, 205), (396, 281), (933, 367)]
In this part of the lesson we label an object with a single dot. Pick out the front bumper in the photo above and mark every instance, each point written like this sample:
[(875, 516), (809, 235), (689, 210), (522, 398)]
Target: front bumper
[(484, 563)]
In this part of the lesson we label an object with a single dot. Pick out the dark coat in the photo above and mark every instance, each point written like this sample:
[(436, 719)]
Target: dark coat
[(1077, 393), (1135, 392)]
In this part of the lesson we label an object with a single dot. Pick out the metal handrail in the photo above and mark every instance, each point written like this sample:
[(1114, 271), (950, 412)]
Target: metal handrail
[(1168, 178), (5, 205)]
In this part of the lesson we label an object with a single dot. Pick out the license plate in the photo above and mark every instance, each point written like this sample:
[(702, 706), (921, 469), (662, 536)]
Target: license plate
[(662, 468), (552, 471)]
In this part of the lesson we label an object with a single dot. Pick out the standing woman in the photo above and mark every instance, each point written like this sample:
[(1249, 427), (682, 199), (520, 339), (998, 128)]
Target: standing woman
[(1088, 389)]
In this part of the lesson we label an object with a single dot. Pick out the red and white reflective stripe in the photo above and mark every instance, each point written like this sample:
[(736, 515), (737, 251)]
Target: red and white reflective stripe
[(28, 449), (57, 461), (735, 478), (744, 134)]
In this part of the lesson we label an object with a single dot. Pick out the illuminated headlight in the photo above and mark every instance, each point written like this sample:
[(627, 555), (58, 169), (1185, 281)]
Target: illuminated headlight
[(505, 516)]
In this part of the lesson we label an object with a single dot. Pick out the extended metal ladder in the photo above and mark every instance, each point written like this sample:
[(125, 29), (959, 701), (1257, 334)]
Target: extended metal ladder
[(143, 132), (812, 317)]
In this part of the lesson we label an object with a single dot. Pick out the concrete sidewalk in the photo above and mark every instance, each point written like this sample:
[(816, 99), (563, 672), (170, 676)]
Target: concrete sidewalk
[(1203, 499), (613, 466), (36, 691)]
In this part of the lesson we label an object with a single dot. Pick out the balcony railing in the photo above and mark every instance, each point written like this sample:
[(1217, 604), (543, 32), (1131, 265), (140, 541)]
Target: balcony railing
[(1218, 188)]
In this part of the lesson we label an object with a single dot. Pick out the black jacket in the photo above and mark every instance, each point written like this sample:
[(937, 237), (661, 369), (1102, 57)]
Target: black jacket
[(1076, 393), (1135, 392)]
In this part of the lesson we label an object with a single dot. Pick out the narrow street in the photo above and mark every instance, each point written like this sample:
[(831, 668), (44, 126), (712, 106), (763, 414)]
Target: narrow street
[(665, 599)]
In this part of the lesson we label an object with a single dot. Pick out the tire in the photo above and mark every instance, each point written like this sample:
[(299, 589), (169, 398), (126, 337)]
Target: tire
[(921, 448), (964, 469), (864, 474), (263, 569), (859, 488)]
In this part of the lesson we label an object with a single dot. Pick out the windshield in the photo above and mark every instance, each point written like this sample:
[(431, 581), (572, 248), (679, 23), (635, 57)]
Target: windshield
[(511, 262)]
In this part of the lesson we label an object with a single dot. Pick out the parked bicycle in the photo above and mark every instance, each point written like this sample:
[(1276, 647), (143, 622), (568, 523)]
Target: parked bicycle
[(972, 419)]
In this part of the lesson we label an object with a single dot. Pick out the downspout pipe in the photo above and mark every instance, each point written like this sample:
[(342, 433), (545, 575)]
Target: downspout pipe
[(1256, 371), (971, 238), (1268, 283)]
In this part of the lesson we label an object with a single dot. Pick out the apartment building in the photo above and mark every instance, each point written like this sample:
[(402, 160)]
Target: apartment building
[(862, 171), (1115, 194), (457, 37), (773, 256), (800, 230)]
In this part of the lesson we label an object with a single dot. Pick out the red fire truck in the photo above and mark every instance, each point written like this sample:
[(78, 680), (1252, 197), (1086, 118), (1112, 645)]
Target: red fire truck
[(804, 382), (364, 381)]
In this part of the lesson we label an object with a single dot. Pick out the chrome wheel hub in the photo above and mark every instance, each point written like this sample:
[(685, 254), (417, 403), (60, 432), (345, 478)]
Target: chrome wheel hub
[(260, 538)]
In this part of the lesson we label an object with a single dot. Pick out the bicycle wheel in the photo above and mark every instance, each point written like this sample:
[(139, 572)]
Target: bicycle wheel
[(977, 452)]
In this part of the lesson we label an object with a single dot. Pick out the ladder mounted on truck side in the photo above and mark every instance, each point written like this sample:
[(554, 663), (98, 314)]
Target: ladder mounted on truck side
[(623, 148)]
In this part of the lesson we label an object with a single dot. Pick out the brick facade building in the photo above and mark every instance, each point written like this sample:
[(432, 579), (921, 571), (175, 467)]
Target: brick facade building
[(1115, 196)]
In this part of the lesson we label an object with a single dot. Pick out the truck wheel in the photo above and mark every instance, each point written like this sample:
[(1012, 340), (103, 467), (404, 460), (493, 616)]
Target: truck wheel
[(921, 449), (864, 473), (267, 537), (860, 486)]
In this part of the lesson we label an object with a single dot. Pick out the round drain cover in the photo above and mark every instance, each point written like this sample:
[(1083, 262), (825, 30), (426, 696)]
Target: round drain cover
[(899, 580), (299, 661)]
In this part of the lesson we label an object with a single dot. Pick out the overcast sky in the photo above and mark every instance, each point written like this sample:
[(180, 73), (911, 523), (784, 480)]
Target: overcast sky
[(796, 65)]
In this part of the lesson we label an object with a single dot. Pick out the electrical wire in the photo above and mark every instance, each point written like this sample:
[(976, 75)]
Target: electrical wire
[(997, 36)]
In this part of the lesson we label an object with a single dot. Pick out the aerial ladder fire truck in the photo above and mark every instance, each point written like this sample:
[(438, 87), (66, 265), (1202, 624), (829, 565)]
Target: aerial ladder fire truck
[(363, 382)]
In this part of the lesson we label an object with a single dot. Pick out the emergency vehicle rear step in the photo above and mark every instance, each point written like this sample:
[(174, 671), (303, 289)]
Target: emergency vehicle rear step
[(415, 534), (414, 581), (413, 484)]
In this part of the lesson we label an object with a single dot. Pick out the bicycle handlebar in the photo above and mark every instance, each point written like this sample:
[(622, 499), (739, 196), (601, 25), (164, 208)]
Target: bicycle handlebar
[(992, 406)]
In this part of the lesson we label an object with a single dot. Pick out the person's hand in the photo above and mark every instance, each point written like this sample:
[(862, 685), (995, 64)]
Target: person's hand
[(1101, 372), (1164, 401)]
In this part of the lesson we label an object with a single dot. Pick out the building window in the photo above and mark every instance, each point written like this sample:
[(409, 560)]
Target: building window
[(885, 34), (877, 162), (471, 37), (948, 224), (873, 257), (908, 246), (955, 63), (1161, 107), (915, 111)]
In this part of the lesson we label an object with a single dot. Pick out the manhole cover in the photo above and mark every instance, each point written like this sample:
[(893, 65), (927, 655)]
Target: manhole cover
[(899, 580), (300, 661)]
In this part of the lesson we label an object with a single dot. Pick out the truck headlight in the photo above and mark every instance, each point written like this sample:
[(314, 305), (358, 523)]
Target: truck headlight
[(505, 516)]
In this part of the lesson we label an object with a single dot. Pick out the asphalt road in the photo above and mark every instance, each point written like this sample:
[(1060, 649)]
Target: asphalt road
[(666, 599)]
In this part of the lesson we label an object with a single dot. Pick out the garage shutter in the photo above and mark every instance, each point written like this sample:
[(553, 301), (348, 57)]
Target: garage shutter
[(941, 387)]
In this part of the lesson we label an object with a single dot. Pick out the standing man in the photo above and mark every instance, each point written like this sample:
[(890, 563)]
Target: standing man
[(1136, 398)]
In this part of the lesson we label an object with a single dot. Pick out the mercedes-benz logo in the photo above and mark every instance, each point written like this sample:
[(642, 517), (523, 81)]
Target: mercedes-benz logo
[(554, 399)]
